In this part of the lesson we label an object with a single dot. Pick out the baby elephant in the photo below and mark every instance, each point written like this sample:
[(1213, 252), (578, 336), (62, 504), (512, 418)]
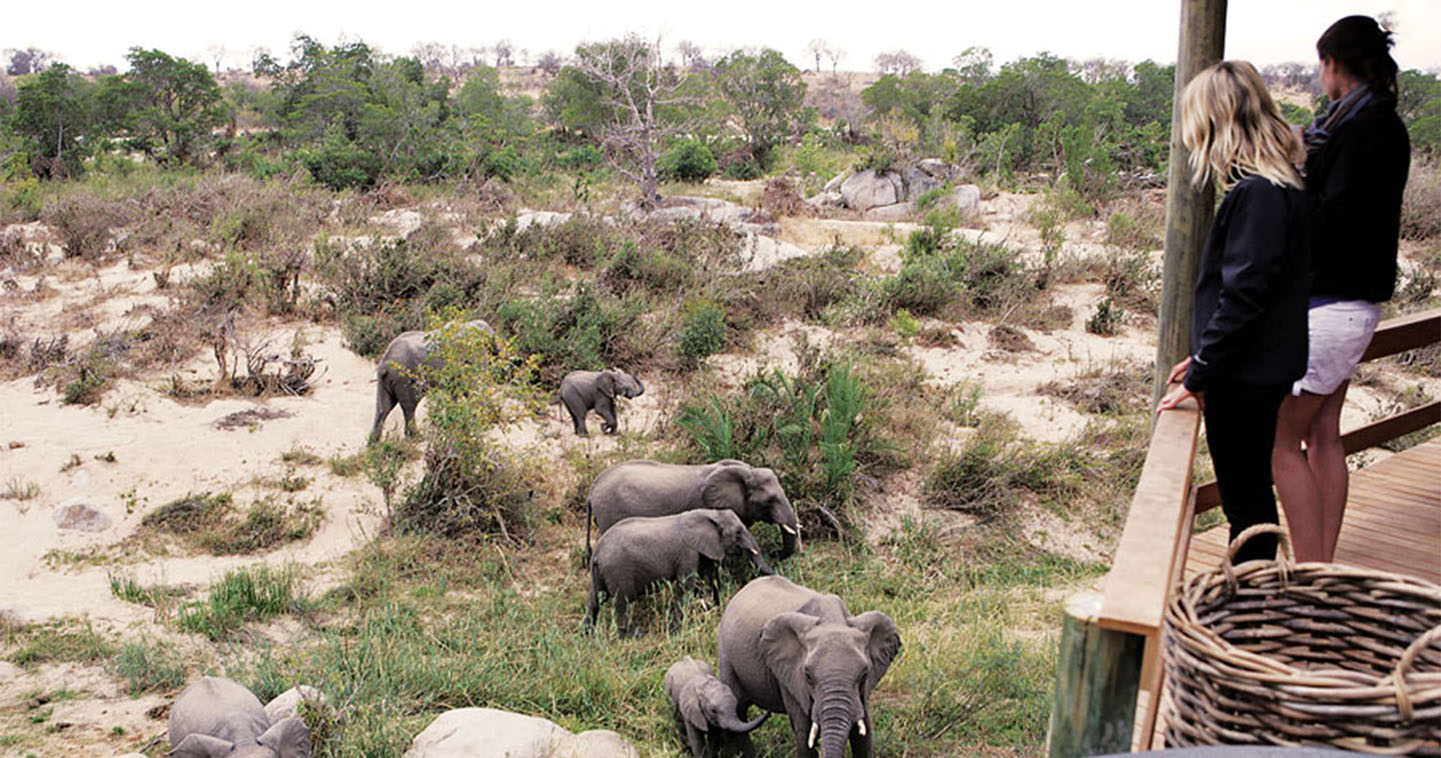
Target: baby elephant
[(396, 376), (638, 553), (705, 710), (583, 390), (217, 717)]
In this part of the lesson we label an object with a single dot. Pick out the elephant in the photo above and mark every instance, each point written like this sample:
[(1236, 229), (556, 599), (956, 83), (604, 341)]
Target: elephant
[(395, 376), (648, 488), (705, 709), (217, 717), (640, 552), (784, 647), (582, 390)]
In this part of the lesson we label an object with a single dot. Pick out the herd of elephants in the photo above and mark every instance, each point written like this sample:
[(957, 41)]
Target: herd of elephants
[(781, 647)]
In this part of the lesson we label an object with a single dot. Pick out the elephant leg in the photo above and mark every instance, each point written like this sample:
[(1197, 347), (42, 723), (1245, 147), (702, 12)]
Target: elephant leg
[(622, 616), (606, 408), (577, 415), (710, 570), (861, 746), (801, 727), (747, 748), (384, 402), (592, 608), (407, 406), (696, 741)]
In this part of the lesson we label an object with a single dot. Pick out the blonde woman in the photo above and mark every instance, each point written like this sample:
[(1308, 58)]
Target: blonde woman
[(1248, 329)]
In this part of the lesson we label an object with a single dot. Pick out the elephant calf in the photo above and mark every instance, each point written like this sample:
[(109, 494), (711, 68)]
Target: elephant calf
[(638, 553), (396, 382), (218, 717), (584, 390), (705, 710)]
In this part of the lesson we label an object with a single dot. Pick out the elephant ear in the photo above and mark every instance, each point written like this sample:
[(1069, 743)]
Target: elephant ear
[(691, 708), (784, 652), (288, 737), (605, 382), (201, 746), (725, 488), (703, 536), (884, 644)]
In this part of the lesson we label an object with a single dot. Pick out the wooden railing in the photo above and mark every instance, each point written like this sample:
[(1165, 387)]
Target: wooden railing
[(1108, 672)]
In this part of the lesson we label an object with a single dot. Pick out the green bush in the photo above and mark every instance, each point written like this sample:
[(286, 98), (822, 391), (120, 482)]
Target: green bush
[(687, 160), (150, 667), (989, 476), (578, 329), (703, 330), (242, 596), (341, 164)]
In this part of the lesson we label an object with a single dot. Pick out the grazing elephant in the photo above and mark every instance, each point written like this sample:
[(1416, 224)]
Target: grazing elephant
[(395, 376), (647, 488), (705, 710), (583, 390), (639, 552), (786, 648), (217, 717)]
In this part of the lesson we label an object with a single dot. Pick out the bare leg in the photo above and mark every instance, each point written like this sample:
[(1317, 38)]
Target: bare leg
[(1328, 468), (1295, 482)]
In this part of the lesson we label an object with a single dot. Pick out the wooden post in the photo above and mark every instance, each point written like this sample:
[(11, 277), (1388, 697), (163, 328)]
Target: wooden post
[(1098, 673), (1188, 209)]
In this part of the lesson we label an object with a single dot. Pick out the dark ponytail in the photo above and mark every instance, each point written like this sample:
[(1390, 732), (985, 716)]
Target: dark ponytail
[(1363, 49)]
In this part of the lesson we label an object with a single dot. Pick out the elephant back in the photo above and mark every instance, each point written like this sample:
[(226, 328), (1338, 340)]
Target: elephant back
[(219, 707), (644, 488)]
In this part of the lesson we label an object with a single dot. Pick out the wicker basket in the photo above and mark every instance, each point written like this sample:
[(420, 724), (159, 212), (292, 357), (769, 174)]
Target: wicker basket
[(1274, 653)]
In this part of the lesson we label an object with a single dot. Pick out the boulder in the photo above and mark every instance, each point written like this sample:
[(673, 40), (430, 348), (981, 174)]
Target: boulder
[(934, 167), (896, 212), (403, 220), (868, 189), (968, 198), (826, 199), (487, 732), (81, 516), (525, 219), (834, 185), (759, 252), (287, 703), (919, 183)]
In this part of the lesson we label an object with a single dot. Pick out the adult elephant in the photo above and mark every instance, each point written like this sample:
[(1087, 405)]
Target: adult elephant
[(789, 649), (396, 380), (648, 488)]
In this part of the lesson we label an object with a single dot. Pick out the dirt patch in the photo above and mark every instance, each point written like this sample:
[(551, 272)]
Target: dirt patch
[(250, 417)]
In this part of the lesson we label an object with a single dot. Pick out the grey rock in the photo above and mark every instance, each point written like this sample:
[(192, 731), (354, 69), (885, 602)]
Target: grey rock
[(896, 212), (287, 703), (525, 219), (968, 198), (868, 189), (834, 185), (9, 671), (486, 732), (934, 167), (919, 183), (759, 252), (826, 199), (81, 516)]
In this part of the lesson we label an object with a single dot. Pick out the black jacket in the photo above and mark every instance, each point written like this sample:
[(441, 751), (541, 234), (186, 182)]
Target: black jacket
[(1249, 322), (1357, 179)]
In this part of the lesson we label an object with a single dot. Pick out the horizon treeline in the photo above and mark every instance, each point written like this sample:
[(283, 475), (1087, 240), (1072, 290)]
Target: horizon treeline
[(351, 116)]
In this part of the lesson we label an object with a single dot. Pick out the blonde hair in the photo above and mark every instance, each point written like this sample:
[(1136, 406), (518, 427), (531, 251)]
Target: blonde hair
[(1232, 128)]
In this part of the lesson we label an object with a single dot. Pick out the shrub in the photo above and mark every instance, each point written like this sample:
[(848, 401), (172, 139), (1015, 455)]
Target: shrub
[(1106, 321), (687, 160), (83, 224), (472, 486), (1421, 203), (703, 330), (209, 522), (580, 329), (341, 164), (658, 271), (256, 594), (989, 475), (148, 667)]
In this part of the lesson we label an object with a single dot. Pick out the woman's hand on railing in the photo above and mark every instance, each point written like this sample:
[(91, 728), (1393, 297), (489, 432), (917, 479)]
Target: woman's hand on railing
[(1179, 370), (1178, 394)]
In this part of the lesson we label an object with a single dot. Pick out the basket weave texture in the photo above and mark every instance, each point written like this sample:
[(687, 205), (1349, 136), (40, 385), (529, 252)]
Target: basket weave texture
[(1275, 653)]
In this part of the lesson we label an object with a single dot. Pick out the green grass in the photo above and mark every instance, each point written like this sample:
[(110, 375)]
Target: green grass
[(19, 489), (242, 596), (424, 625), (211, 523), (149, 667), (61, 641)]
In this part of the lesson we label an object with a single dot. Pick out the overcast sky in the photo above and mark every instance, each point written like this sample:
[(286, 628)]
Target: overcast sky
[(87, 33)]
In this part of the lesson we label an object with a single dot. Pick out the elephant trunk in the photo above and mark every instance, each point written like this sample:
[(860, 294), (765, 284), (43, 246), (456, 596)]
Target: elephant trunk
[(835, 713), (790, 539), (731, 723)]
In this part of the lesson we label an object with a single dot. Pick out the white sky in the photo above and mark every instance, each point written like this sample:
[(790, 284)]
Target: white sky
[(86, 33)]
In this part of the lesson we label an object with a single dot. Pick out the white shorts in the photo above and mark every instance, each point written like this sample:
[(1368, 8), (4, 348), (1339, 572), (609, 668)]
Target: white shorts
[(1339, 334)]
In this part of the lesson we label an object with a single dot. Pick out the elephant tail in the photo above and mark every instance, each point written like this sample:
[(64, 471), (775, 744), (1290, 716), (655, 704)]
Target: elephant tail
[(587, 530)]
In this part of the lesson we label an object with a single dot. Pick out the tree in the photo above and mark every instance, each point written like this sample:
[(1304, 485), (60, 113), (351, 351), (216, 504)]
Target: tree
[(818, 47), (504, 53), (973, 65), (765, 92), (52, 112), (549, 63), (31, 60), (835, 54), (899, 62), (170, 105), (692, 56), (637, 103)]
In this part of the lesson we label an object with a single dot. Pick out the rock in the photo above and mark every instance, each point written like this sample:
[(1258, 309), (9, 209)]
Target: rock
[(486, 732), (919, 183), (867, 190), (403, 220), (81, 516), (934, 167), (287, 703), (968, 198), (826, 199), (9, 671), (834, 185), (897, 212), (675, 214), (16, 444), (759, 252), (525, 219)]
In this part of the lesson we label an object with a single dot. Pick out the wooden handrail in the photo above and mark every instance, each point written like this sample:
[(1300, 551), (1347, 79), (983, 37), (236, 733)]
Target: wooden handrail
[(1394, 335)]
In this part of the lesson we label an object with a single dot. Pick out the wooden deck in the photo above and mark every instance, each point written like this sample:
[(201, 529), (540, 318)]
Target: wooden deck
[(1393, 519)]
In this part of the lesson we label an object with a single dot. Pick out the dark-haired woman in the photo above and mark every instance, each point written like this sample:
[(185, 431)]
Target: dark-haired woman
[(1357, 158)]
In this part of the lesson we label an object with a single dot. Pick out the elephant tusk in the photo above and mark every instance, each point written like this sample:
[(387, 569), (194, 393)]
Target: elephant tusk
[(789, 530), (861, 725), (815, 729), (755, 551)]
